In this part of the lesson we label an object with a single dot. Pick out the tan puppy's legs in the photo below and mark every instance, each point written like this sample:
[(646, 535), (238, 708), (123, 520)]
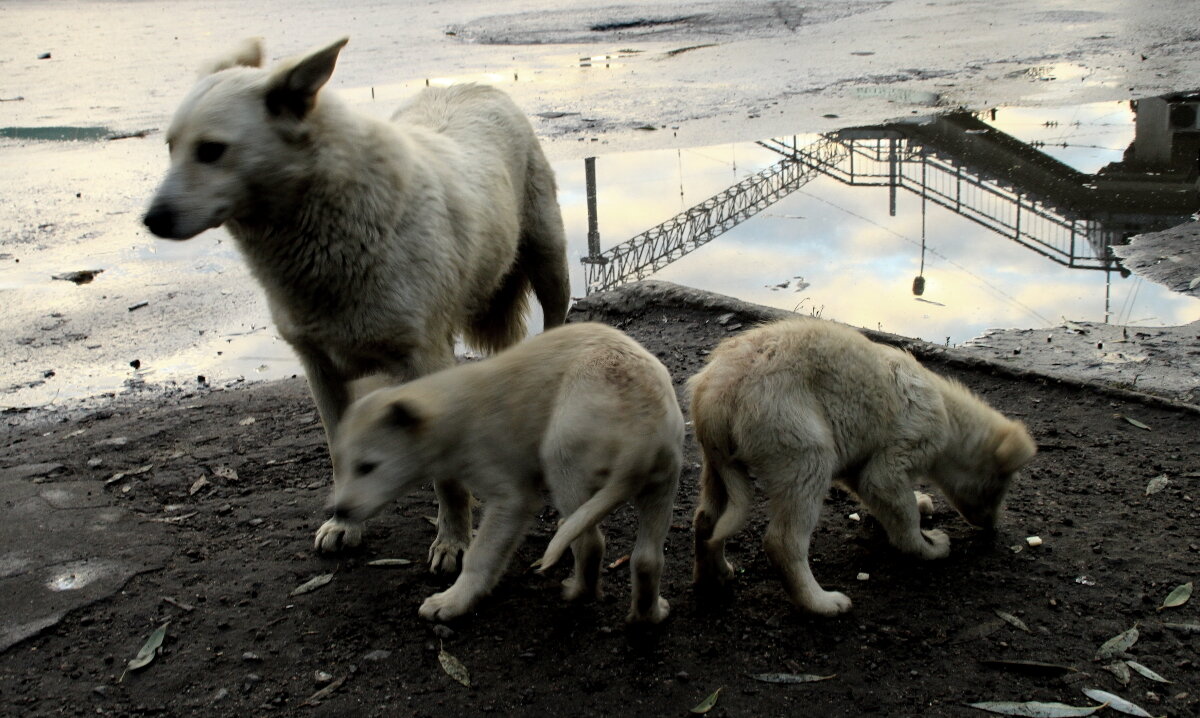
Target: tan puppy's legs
[(883, 489), (795, 494), (711, 568), (500, 531)]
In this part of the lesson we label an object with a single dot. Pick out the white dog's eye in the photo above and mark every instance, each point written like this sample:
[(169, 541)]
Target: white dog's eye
[(209, 152), (363, 468)]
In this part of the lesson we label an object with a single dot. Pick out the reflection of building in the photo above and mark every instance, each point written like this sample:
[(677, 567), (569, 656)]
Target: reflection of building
[(961, 163)]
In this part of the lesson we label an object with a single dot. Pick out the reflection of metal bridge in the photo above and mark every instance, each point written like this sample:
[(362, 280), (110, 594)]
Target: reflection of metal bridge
[(895, 161), (658, 246), (955, 161)]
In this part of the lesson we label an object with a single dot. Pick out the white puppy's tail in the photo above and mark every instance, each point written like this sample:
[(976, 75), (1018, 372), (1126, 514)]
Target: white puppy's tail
[(602, 503)]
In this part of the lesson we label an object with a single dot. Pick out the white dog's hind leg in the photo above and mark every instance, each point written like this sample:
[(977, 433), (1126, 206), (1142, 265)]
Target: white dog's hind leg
[(924, 503), (646, 563), (453, 527), (883, 488), (795, 496), (718, 480), (501, 529)]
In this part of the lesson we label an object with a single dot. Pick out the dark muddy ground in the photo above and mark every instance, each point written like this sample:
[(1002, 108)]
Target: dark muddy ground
[(914, 644)]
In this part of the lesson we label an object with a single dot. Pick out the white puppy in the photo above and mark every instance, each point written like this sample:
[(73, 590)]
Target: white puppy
[(799, 403), (376, 242), (582, 410)]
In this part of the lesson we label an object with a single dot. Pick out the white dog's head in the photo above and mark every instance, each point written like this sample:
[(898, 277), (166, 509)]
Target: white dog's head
[(234, 139), (975, 478), (380, 453)]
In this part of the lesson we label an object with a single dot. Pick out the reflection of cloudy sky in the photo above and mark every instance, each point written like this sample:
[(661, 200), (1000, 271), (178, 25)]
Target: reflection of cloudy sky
[(858, 261)]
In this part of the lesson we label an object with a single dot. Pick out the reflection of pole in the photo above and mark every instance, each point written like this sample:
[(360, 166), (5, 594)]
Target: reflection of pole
[(593, 236), (893, 175)]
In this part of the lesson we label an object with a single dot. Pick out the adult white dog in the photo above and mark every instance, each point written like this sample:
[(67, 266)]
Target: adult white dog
[(376, 242)]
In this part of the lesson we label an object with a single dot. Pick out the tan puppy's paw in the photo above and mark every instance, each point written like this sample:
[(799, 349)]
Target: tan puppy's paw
[(337, 534), (936, 544), (924, 503), (828, 603), (444, 606), (444, 555), (657, 613)]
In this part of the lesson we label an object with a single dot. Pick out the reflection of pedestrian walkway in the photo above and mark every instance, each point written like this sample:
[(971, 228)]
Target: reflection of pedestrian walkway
[(963, 164)]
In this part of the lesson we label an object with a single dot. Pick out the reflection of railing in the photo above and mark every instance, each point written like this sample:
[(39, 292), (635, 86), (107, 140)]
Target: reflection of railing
[(658, 246), (896, 161)]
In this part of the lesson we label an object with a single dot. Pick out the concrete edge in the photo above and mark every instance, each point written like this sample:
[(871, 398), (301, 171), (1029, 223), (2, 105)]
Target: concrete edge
[(642, 296)]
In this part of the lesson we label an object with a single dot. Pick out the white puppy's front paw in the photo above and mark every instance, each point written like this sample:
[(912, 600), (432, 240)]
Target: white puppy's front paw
[(827, 603), (444, 554), (444, 606), (936, 544), (657, 613), (924, 503), (337, 534)]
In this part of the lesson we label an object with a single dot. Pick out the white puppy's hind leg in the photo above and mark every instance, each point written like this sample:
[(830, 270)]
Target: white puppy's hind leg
[(924, 503), (646, 564)]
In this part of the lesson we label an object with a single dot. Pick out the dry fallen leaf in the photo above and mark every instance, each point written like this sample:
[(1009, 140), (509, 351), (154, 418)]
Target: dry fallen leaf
[(312, 584), (707, 704), (1032, 668), (1035, 709), (1177, 597), (789, 677), (389, 562), (1144, 671), (1013, 621), (1115, 702), (1118, 644), (148, 650), (454, 667)]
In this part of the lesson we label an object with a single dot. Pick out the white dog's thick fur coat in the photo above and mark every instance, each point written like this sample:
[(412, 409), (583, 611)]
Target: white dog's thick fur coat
[(581, 410), (376, 242), (798, 404)]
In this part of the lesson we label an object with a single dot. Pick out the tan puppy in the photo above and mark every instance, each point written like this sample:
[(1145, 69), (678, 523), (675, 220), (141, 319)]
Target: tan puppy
[(376, 242), (798, 403), (582, 410)]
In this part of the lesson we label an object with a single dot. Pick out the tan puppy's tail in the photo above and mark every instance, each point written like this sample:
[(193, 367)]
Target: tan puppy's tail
[(609, 497), (739, 494)]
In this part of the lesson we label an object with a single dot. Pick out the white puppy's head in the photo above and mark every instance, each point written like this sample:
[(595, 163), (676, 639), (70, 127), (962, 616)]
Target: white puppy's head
[(976, 475), (379, 454), (237, 137)]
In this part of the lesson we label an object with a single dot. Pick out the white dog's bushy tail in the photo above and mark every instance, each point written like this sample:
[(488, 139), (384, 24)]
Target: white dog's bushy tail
[(602, 503)]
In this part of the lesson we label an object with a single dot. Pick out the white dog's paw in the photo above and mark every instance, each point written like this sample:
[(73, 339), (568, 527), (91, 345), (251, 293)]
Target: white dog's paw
[(337, 534), (827, 603), (924, 503), (575, 589), (657, 613), (445, 606), (444, 554), (936, 544)]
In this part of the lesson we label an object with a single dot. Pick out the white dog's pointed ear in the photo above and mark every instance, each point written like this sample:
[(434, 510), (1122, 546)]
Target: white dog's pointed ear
[(294, 87), (247, 53), (1016, 447)]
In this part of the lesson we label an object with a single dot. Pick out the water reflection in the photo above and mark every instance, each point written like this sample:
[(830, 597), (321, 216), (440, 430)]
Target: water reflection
[(1063, 188)]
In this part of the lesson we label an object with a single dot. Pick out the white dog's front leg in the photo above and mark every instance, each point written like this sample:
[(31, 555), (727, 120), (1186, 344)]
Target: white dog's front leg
[(337, 534), (453, 527), (503, 526)]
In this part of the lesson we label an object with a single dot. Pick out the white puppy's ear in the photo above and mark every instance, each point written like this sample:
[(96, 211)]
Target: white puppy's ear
[(294, 86), (1016, 447), (247, 53), (404, 415)]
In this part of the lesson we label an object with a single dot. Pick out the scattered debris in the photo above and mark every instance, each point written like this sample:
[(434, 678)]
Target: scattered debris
[(179, 604), (789, 677), (453, 667), (982, 630), (1115, 702), (1029, 668), (1033, 540), (312, 584), (316, 698), (1146, 672), (173, 519), (83, 276), (1177, 597), (863, 576), (1121, 671), (147, 652), (555, 115), (1035, 709), (389, 562), (1158, 483), (198, 484), (1118, 644), (139, 305), (707, 704), (619, 562), (1132, 421)]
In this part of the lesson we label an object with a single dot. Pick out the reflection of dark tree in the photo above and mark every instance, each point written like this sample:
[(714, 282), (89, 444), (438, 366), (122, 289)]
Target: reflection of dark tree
[(961, 163)]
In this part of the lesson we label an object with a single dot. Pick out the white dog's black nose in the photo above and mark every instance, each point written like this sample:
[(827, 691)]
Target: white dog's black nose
[(160, 221)]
